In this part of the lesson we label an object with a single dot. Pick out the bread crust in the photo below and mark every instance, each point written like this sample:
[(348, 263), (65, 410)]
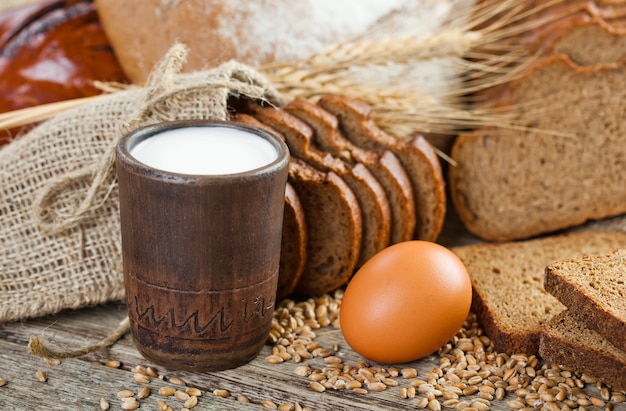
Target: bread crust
[(509, 298), (332, 248), (52, 51), (506, 185), (216, 31), (370, 194), (565, 342), (385, 167), (568, 281), (332, 226), (416, 155)]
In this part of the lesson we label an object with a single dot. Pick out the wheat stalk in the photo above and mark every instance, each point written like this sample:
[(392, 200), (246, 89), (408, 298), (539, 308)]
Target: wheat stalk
[(476, 47)]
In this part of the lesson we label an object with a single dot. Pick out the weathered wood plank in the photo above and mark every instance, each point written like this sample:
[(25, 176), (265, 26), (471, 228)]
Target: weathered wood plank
[(79, 383)]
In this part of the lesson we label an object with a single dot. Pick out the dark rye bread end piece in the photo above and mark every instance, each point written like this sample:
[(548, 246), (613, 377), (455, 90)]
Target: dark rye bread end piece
[(293, 249), (514, 184), (293, 245), (567, 342), (507, 281), (416, 155), (375, 209), (593, 287), (333, 224), (385, 167)]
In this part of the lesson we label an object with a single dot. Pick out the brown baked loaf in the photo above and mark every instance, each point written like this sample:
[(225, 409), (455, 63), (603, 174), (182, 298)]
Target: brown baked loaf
[(513, 184), (51, 51), (252, 32), (507, 280), (385, 167), (416, 155), (370, 194), (593, 287), (566, 341)]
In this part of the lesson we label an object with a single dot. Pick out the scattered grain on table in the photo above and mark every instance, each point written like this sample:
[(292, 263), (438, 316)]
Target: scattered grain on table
[(470, 374), (41, 376)]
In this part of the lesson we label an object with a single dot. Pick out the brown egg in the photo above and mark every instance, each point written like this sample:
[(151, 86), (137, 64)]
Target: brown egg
[(405, 302)]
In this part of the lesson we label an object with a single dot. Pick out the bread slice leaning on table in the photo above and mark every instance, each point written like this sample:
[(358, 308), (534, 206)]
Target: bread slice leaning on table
[(593, 287), (590, 336), (566, 168), (509, 298), (566, 341), (333, 225)]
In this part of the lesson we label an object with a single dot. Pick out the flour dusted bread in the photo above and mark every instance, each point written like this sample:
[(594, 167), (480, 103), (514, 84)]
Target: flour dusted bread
[(513, 184), (416, 155), (567, 342), (251, 32), (593, 287), (507, 280), (385, 167)]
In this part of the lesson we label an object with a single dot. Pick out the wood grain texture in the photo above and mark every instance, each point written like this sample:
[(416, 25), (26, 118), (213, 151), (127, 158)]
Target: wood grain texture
[(78, 384)]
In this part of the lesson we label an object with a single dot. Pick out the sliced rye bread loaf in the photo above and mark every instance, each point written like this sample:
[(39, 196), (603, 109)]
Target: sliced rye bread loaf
[(507, 280), (372, 199), (385, 166), (593, 287), (513, 184), (416, 155), (567, 342), (332, 226)]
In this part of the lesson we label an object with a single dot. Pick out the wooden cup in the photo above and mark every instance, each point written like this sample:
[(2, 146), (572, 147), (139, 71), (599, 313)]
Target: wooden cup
[(200, 255)]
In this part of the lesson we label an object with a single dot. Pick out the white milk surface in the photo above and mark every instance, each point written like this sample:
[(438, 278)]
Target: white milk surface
[(205, 151)]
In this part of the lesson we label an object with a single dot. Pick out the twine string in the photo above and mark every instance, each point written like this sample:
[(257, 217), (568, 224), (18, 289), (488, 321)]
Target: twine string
[(163, 95), (38, 347)]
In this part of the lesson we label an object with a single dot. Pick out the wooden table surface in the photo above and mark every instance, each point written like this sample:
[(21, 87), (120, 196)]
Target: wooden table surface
[(79, 384)]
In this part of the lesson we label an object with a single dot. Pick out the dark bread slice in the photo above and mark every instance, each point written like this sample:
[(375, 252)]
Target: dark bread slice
[(293, 246), (333, 220), (507, 280), (416, 155), (385, 167), (293, 249), (333, 224), (593, 287), (513, 184), (371, 196), (567, 342)]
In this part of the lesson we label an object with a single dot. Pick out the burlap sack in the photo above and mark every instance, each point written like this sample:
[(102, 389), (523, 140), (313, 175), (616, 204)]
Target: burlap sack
[(60, 243)]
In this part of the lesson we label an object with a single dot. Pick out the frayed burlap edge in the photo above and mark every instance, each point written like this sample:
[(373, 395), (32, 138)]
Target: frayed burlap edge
[(92, 183)]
